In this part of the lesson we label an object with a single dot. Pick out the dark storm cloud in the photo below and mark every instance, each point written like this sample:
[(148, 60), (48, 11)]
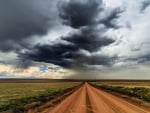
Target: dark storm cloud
[(79, 13), (145, 4), (66, 55), (20, 19), (89, 39), (91, 23), (56, 54)]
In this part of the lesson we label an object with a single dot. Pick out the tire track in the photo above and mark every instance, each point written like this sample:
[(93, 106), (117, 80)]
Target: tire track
[(75, 103), (89, 99)]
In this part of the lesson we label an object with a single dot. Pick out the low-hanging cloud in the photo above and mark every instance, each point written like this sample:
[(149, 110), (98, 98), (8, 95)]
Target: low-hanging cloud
[(21, 19), (89, 39), (92, 20), (93, 36), (79, 13)]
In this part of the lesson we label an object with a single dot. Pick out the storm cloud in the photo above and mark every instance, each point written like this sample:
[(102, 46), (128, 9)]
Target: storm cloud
[(100, 37), (79, 13), (89, 39), (91, 21), (56, 54), (21, 19), (67, 56)]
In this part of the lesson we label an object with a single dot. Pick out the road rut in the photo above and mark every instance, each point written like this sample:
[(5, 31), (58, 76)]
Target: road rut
[(88, 99)]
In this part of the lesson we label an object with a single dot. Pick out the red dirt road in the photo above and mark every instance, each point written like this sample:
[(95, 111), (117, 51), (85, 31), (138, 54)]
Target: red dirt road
[(88, 99)]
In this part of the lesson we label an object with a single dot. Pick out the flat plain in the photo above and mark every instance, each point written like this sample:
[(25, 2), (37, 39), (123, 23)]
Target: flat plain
[(65, 97), (130, 83), (11, 92)]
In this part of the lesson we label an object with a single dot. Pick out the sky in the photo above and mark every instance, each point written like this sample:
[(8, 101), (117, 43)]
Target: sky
[(81, 39)]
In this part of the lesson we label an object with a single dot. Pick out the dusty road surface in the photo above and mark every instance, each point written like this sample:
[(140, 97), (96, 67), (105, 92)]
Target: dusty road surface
[(88, 99)]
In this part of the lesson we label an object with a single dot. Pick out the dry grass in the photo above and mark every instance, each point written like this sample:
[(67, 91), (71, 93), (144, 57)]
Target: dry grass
[(15, 91), (126, 83)]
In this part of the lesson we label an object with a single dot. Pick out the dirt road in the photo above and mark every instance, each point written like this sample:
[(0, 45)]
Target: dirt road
[(88, 99)]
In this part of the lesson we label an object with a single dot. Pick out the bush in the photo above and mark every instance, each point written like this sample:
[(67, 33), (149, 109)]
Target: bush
[(138, 92)]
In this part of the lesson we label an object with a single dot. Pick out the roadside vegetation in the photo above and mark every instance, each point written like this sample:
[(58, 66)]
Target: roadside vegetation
[(142, 93), (125, 83), (16, 95)]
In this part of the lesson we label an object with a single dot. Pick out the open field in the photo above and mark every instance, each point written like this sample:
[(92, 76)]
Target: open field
[(138, 92), (62, 97), (25, 92), (129, 83)]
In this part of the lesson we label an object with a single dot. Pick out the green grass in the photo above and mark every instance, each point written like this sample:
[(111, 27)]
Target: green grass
[(142, 93), (14, 95), (125, 83)]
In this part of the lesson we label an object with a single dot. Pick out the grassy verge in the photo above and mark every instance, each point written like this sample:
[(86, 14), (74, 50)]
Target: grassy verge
[(47, 93), (125, 83), (142, 93)]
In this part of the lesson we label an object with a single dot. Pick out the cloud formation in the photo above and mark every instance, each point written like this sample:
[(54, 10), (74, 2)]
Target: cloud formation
[(144, 5), (76, 34), (90, 35), (79, 13), (20, 20)]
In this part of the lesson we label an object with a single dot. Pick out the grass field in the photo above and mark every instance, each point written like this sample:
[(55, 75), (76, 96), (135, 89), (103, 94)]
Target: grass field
[(137, 89), (15, 93), (142, 93), (125, 83)]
